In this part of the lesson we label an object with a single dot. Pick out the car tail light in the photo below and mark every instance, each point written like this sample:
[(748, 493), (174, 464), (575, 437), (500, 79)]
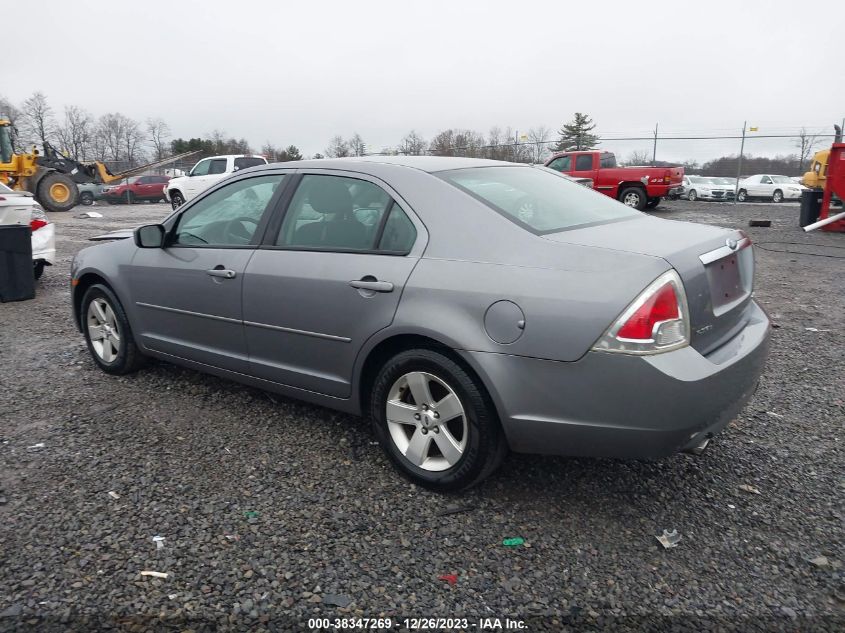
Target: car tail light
[(38, 218), (667, 178), (657, 321)]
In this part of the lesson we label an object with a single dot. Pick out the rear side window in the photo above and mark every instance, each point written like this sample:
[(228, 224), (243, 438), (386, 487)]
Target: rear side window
[(607, 160), (399, 233), (334, 213), (248, 161), (218, 166), (537, 199), (584, 162)]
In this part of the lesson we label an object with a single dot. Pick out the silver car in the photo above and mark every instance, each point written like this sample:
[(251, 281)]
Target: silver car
[(467, 307)]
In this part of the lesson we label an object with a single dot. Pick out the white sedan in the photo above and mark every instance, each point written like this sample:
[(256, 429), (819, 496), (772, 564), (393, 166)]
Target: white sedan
[(770, 186), (704, 188), (17, 207)]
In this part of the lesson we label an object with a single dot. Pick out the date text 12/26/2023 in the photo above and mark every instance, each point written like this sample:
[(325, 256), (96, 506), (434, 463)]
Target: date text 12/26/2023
[(417, 624)]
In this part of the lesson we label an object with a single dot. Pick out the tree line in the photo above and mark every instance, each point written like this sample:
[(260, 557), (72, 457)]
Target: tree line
[(114, 137)]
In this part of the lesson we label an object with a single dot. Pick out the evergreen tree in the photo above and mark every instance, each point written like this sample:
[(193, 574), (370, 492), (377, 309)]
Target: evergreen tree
[(577, 135)]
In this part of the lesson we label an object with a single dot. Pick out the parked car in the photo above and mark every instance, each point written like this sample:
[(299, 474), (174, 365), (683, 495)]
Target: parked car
[(207, 172), (638, 187), (706, 188), (17, 207), (770, 186), (458, 326), (137, 189), (89, 192)]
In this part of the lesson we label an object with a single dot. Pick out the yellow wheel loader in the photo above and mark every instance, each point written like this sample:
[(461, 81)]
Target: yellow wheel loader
[(52, 178)]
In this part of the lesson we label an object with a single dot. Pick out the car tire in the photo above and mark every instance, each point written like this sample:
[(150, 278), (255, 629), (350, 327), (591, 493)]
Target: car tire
[(115, 352), (176, 199), (692, 196), (741, 195), (652, 203), (473, 442), (777, 196), (129, 198), (633, 197), (86, 198), (57, 192), (38, 268)]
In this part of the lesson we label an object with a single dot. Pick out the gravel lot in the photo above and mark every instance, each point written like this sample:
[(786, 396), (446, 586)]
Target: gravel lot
[(274, 511)]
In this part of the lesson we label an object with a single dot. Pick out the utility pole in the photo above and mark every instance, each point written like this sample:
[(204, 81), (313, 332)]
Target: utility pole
[(654, 154), (739, 165)]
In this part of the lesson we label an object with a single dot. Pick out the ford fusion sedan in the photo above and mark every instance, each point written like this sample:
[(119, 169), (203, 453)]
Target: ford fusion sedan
[(425, 294)]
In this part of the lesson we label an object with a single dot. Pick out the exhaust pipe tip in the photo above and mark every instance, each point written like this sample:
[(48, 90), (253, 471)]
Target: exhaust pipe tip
[(698, 449)]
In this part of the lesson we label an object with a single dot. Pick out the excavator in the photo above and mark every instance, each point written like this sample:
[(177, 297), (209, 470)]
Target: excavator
[(826, 183), (52, 177)]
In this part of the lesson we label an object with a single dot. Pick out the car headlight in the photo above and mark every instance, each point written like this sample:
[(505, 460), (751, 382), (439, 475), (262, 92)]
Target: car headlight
[(794, 189)]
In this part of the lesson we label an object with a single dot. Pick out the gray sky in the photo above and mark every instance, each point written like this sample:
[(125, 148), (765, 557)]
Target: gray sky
[(301, 72)]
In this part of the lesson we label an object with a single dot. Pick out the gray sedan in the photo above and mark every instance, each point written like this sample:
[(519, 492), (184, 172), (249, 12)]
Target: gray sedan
[(466, 307)]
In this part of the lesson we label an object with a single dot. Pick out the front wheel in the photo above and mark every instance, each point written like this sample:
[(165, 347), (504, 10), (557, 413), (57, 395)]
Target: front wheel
[(86, 198), (692, 196), (436, 424), (777, 196), (633, 197), (57, 192), (176, 199), (742, 195), (107, 332)]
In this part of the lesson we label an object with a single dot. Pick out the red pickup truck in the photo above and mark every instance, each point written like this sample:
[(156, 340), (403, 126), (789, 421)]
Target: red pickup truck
[(639, 187)]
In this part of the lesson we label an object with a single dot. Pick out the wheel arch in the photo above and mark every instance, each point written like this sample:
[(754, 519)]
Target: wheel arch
[(625, 184), (85, 281), (389, 344)]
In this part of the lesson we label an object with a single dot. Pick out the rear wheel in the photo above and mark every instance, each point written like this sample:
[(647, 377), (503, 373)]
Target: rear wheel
[(107, 332), (38, 268), (777, 196), (633, 197), (435, 422), (57, 192), (86, 198), (652, 203), (176, 199), (742, 195)]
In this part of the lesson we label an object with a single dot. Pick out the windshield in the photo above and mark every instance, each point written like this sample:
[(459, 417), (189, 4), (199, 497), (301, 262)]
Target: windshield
[(725, 181), (698, 179), (537, 198), (782, 179)]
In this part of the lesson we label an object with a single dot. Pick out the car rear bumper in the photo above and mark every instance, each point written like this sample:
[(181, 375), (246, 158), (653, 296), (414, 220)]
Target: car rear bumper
[(617, 405), (44, 244)]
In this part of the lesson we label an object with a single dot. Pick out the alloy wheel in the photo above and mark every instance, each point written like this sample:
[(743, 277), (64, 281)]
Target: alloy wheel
[(103, 330), (426, 421), (631, 199)]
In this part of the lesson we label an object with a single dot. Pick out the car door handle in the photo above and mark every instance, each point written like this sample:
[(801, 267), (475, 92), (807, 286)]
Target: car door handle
[(222, 272), (372, 284)]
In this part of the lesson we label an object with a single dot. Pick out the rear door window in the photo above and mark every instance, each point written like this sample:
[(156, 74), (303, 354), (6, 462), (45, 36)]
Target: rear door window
[(584, 162)]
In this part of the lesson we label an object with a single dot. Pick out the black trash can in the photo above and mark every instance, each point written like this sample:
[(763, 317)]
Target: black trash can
[(811, 206), (17, 278)]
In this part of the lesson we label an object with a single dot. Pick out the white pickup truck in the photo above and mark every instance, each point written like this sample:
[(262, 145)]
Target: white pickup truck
[(206, 173)]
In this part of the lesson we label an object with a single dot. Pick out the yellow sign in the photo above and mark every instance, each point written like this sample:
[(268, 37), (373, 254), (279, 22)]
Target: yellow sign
[(752, 129)]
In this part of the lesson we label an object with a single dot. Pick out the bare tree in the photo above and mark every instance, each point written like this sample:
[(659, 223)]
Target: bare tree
[(539, 138), (805, 143), (159, 133), (412, 144), (516, 152), (270, 152), (111, 130), (76, 132), (37, 122), (338, 148), (497, 148), (638, 157), (443, 144), (133, 142), (357, 147)]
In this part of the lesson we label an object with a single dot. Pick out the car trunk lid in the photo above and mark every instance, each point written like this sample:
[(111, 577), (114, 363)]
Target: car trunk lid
[(715, 264)]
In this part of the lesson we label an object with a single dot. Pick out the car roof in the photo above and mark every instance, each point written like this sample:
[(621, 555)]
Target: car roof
[(429, 164)]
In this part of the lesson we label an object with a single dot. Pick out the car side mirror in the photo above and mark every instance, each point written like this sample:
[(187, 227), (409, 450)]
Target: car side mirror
[(150, 236)]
